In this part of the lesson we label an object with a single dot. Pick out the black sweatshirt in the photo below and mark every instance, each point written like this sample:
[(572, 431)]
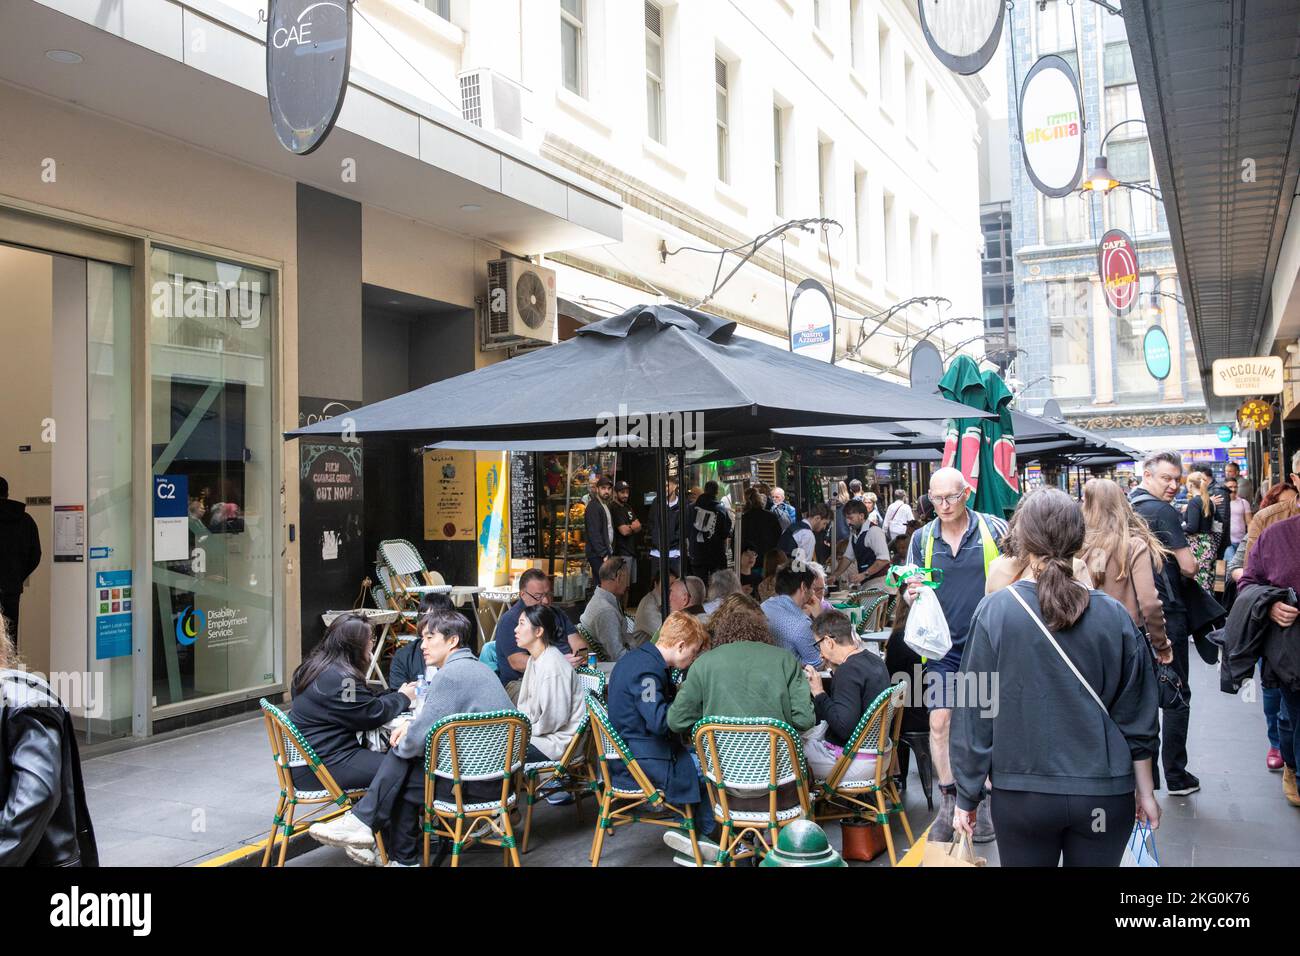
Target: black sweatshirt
[(1037, 729), (858, 681)]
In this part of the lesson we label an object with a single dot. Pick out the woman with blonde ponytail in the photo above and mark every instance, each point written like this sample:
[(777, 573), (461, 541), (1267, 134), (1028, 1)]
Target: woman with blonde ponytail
[(1123, 558), (1198, 522), (1043, 655)]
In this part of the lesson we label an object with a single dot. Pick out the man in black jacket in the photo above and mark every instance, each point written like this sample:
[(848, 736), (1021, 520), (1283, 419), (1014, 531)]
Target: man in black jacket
[(20, 555), (671, 532), (1161, 472), (709, 531), (44, 820), (599, 527)]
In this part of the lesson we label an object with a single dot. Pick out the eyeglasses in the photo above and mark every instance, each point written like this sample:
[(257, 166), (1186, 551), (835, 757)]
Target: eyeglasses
[(544, 596), (948, 499)]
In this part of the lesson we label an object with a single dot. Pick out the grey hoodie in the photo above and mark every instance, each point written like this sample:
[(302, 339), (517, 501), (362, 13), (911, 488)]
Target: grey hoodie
[(463, 685)]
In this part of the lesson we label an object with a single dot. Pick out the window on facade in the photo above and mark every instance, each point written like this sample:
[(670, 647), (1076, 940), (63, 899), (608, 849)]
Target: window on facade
[(778, 159), (861, 217), (654, 73), (441, 7), (857, 35), (824, 198), (1132, 380), (572, 54), (724, 118), (891, 238), (1128, 157), (1055, 32), (909, 95), (1066, 220), (1069, 318), (819, 14), (936, 265), (886, 66)]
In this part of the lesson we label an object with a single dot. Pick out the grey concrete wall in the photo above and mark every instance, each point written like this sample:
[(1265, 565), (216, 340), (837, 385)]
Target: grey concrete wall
[(329, 295)]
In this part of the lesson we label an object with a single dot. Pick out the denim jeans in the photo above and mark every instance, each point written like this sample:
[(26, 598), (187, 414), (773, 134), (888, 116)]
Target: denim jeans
[(1288, 725), (1272, 698)]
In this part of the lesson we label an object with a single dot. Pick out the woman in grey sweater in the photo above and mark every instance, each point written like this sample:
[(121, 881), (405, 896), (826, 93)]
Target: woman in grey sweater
[(1064, 726)]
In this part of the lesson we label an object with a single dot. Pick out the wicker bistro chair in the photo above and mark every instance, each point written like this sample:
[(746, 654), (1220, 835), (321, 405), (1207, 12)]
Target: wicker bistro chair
[(758, 753), (574, 772), (619, 806), (289, 749), (387, 594), (408, 573), (474, 748), (841, 796)]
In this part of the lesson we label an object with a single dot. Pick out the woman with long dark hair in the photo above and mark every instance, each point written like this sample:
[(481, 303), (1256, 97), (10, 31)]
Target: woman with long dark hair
[(1043, 656), (331, 702)]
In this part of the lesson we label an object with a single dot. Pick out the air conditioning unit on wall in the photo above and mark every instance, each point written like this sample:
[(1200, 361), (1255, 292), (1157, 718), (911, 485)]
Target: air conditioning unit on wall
[(521, 305), (492, 101)]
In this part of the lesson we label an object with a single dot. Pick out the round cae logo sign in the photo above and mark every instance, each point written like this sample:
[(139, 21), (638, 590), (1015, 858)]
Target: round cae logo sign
[(1117, 264), (308, 46), (1051, 127)]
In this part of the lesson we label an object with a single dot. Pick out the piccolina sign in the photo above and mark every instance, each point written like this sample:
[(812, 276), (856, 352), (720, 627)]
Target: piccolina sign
[(1051, 126), (1248, 376), (308, 49), (1117, 264)]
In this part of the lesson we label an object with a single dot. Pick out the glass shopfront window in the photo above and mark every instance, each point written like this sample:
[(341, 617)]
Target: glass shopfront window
[(214, 498)]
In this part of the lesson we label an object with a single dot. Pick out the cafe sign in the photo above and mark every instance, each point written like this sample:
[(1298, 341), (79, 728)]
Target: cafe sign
[(1117, 264), (308, 49), (1051, 126), (1248, 376)]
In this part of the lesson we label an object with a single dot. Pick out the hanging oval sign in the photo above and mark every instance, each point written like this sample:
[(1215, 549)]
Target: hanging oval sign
[(308, 51), (962, 34), (812, 321), (1155, 349), (1051, 126), (1117, 264)]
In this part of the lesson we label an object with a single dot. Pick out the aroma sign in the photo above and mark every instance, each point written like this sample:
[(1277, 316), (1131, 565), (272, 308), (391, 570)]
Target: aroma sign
[(1051, 131), (1248, 376), (1118, 267)]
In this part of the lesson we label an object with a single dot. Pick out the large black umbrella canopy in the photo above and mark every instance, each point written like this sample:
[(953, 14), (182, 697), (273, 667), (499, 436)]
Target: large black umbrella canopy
[(651, 360)]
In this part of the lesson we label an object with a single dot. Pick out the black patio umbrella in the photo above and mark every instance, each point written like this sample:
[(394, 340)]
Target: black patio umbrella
[(683, 375)]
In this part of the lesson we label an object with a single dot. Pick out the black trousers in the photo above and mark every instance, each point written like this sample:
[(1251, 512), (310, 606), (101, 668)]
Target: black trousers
[(9, 607), (1040, 829), (1174, 720)]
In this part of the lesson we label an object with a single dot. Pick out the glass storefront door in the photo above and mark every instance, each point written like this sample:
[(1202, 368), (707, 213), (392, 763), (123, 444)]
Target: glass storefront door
[(215, 502)]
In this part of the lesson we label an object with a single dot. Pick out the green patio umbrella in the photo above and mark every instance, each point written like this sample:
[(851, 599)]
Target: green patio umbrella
[(983, 448)]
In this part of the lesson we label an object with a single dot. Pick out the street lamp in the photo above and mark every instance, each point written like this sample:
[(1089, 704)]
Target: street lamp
[(1153, 309), (1100, 179)]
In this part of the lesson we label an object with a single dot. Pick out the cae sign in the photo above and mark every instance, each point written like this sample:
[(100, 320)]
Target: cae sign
[(308, 48)]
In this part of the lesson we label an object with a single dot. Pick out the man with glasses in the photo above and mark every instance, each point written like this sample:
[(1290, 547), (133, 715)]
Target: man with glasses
[(534, 589), (1161, 472), (962, 544)]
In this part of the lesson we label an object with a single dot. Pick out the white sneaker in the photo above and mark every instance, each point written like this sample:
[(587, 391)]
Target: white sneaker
[(346, 830), (681, 842), (362, 856)]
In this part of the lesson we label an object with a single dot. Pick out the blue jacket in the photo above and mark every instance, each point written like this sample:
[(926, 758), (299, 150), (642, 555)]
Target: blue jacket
[(639, 693)]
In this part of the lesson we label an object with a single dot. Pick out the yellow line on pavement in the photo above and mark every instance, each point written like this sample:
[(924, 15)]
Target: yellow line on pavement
[(245, 852)]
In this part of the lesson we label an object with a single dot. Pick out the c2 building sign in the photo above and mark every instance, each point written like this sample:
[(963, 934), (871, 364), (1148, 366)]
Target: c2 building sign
[(1051, 126), (1117, 264), (308, 49)]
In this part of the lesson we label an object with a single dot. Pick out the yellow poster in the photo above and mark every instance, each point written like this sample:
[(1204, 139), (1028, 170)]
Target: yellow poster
[(493, 539), (449, 496)]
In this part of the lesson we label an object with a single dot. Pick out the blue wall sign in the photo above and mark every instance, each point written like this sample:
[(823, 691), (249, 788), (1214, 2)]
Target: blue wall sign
[(1155, 349)]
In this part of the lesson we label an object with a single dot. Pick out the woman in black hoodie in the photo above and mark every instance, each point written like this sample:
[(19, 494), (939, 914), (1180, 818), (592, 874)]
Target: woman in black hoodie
[(1064, 726)]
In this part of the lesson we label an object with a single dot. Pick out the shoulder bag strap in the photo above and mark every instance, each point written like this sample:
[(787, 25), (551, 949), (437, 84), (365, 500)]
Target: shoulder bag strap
[(1065, 657)]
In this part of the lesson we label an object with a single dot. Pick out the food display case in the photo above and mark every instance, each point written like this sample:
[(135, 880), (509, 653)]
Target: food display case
[(567, 478)]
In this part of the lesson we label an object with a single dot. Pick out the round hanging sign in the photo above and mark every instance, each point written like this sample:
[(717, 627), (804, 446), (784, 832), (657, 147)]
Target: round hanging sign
[(1155, 349), (1117, 264), (962, 34), (812, 321), (308, 49), (1051, 126)]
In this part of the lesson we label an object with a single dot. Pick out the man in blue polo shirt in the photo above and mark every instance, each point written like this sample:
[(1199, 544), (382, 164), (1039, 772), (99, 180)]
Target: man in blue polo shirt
[(534, 588), (962, 543)]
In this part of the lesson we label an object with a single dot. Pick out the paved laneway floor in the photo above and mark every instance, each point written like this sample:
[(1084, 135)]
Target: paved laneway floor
[(195, 797)]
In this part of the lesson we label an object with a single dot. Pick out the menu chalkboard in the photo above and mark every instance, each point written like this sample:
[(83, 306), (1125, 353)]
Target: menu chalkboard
[(523, 505)]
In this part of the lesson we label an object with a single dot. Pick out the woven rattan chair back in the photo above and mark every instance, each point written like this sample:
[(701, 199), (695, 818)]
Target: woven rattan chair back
[(406, 564), (749, 752), (476, 747), (592, 680)]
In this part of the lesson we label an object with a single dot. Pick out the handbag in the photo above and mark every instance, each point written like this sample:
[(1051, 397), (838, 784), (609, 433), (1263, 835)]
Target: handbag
[(1169, 685)]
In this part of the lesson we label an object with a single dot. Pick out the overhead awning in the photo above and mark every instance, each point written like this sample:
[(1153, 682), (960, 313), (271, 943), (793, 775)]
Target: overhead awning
[(1220, 86)]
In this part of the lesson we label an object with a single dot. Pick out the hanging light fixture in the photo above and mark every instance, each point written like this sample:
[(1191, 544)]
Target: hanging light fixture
[(1099, 180)]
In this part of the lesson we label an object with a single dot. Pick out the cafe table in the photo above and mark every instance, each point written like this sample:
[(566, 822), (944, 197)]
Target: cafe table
[(378, 617)]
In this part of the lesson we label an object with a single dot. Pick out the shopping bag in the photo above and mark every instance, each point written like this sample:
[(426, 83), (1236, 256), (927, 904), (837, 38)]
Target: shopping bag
[(1141, 850), (959, 852), (927, 629)]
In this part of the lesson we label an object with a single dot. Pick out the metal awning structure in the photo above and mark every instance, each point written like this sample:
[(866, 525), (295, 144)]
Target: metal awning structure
[(1220, 86)]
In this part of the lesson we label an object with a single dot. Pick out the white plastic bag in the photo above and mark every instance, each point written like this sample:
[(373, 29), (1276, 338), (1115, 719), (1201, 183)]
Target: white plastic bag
[(1141, 850), (927, 629)]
